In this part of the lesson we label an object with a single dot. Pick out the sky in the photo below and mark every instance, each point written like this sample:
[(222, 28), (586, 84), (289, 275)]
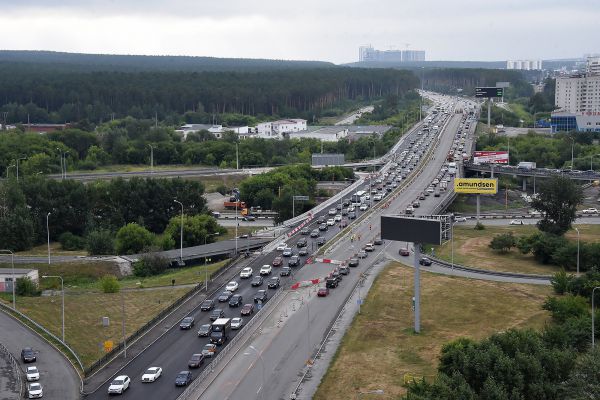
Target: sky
[(326, 30)]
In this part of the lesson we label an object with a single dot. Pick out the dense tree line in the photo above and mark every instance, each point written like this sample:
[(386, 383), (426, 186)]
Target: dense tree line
[(40, 95)]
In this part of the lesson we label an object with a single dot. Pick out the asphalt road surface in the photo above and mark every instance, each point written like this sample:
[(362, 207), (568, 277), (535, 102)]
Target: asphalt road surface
[(57, 376)]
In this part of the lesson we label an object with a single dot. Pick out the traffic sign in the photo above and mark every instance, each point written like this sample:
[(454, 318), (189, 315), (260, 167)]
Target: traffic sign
[(489, 92), (305, 198)]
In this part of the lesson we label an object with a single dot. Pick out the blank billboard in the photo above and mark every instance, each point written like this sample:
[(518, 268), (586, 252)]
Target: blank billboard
[(411, 229), (328, 159)]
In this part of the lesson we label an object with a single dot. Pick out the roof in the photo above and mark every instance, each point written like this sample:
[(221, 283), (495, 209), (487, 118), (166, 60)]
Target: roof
[(18, 271)]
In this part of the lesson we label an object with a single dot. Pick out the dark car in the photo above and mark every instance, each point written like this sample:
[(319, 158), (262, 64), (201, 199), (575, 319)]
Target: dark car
[(353, 262), (205, 330), (323, 227), (344, 270), (362, 254), (277, 262), (236, 300), (225, 296), (287, 252), (323, 292), (338, 207), (257, 281), (274, 282), (207, 305), (28, 355), (321, 220), (247, 309), (425, 261), (416, 204), (302, 242), (352, 215), (345, 211), (314, 233), (294, 261), (187, 323), (196, 360), (216, 314), (378, 241), (249, 218), (303, 252), (183, 378), (261, 295), (404, 252), (336, 274), (285, 271), (305, 231), (343, 223), (422, 196), (331, 283), (320, 241)]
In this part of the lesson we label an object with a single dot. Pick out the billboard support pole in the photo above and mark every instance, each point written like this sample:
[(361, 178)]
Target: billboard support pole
[(417, 300), (489, 112), (478, 197), (492, 170)]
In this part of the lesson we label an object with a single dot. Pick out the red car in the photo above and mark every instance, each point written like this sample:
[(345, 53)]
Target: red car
[(247, 309), (277, 262), (323, 292), (404, 252)]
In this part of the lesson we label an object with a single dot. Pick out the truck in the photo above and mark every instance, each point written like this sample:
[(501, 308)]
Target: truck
[(234, 202), (220, 331), (526, 165)]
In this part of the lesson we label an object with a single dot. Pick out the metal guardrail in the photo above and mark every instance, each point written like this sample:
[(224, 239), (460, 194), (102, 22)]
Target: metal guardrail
[(464, 268), (200, 379), (536, 172), (16, 369)]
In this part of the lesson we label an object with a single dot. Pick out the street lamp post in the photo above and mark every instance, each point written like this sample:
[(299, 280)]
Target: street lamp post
[(62, 289), (14, 282), (8, 168), (151, 158), (48, 230), (262, 363), (377, 391), (452, 243), (572, 153), (577, 251), (181, 232), (593, 319)]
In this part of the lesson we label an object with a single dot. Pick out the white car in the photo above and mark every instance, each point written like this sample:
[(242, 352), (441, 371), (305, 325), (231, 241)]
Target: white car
[(266, 269), (32, 374), (281, 246), (35, 391), (232, 286), (152, 374), (119, 385), (236, 323), (589, 211), (330, 222), (516, 222), (333, 211), (338, 218), (363, 207), (460, 219), (246, 273), (377, 197), (352, 208)]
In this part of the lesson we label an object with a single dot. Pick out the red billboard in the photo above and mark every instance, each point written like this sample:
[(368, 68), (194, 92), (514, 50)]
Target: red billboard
[(490, 157)]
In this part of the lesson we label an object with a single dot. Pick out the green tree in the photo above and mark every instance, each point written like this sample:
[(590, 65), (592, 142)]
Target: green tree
[(68, 241), (26, 287), (561, 282), (503, 242), (109, 284), (197, 229), (150, 264), (583, 382), (557, 200), (566, 307), (100, 242), (133, 238)]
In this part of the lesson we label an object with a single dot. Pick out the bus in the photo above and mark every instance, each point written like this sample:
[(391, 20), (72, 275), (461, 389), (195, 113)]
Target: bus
[(358, 197)]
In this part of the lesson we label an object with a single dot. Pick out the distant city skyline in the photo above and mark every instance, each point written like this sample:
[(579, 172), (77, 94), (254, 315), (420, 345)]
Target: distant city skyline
[(461, 30)]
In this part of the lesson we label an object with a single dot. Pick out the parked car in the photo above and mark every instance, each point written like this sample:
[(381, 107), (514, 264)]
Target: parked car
[(187, 323), (261, 295), (118, 385), (207, 305), (236, 323), (205, 330), (323, 292), (183, 378), (196, 360), (152, 374), (266, 270), (247, 309)]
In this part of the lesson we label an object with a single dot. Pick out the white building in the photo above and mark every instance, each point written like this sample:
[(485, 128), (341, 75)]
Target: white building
[(6, 277), (216, 130), (277, 129), (524, 64), (368, 53), (325, 134)]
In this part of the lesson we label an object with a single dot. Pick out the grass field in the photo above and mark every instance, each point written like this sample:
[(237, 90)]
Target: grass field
[(182, 276), (55, 250), (380, 346)]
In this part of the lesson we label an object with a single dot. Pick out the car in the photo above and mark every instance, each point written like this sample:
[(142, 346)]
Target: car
[(323, 292), (232, 286), (590, 211), (362, 254), (236, 300), (323, 227), (196, 360), (436, 193), (422, 196), (416, 204), (224, 296), (246, 273), (352, 208), (332, 211), (343, 223), (236, 323), (277, 262), (281, 246), (209, 350), (353, 262), (205, 330), (28, 355), (257, 280), (249, 218), (266, 270), (409, 210), (285, 271), (305, 231), (207, 305), (32, 374), (303, 252), (261, 295), (344, 270), (274, 282), (302, 243), (369, 247), (216, 314), (460, 219), (404, 252), (118, 385), (152, 374), (187, 323), (429, 190), (294, 261), (247, 309), (331, 283), (314, 233), (363, 207), (337, 218), (338, 207), (320, 241), (331, 222), (287, 252), (378, 241), (516, 222), (377, 197), (321, 220), (336, 274), (352, 215), (183, 378), (425, 261), (36, 391)]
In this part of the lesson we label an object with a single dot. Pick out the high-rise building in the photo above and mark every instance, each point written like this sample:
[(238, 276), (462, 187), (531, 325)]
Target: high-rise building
[(413, 55), (368, 53), (524, 64)]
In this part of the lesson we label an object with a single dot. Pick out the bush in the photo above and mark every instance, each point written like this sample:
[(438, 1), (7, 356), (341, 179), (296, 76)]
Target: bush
[(151, 264), (561, 282), (26, 287), (566, 307), (133, 238), (221, 189), (109, 284), (68, 241), (479, 226), (503, 243), (100, 242)]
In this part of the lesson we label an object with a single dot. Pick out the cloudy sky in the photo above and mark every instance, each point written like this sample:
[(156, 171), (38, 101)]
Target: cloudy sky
[(329, 30)]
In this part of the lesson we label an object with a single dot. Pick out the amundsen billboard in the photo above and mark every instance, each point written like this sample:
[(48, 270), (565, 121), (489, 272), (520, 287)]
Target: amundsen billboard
[(490, 157), (476, 185)]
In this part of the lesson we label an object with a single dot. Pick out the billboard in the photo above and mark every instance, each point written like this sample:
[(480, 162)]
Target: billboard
[(411, 229), (475, 185), (489, 92), (328, 159), (490, 157)]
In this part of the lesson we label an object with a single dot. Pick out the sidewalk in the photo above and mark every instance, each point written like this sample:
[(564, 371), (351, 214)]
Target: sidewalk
[(9, 388)]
